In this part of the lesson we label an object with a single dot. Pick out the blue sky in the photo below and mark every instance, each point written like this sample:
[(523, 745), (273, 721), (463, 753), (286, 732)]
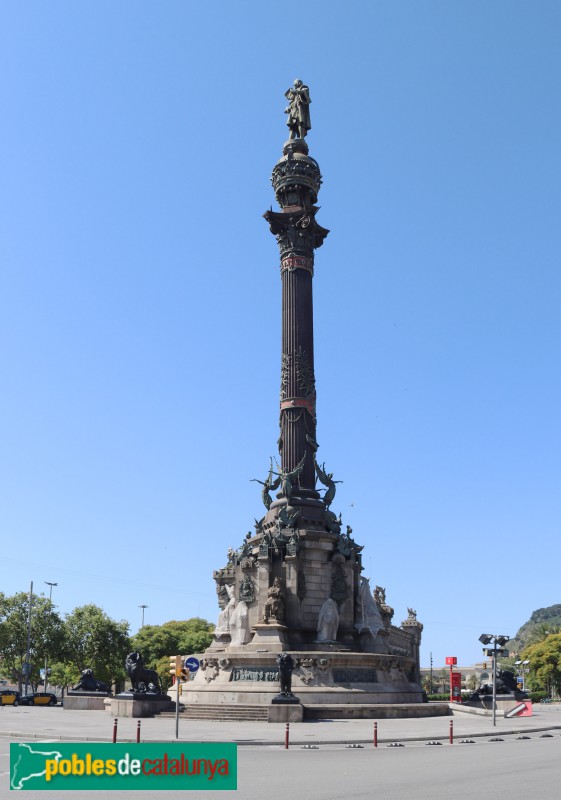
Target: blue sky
[(140, 297)]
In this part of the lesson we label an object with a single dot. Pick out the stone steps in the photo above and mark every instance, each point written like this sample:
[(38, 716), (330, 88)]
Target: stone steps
[(222, 712), (375, 710)]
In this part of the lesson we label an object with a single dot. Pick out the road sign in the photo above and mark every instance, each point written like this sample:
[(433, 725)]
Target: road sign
[(192, 663)]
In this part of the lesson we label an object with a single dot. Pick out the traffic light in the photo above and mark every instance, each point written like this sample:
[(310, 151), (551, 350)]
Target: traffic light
[(175, 666), (184, 674), (484, 665)]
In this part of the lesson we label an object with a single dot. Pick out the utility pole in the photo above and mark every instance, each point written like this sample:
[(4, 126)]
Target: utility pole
[(142, 607), (50, 585), (431, 673), (28, 654)]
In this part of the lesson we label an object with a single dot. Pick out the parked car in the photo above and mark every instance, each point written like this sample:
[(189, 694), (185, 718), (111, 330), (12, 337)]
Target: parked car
[(39, 699), (9, 697)]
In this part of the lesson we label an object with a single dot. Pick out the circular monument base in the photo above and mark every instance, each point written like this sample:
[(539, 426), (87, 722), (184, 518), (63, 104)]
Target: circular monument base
[(334, 680)]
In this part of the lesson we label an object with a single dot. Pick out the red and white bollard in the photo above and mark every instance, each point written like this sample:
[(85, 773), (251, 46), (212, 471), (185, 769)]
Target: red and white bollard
[(451, 731), (286, 735), (375, 734), (138, 732), (115, 730)]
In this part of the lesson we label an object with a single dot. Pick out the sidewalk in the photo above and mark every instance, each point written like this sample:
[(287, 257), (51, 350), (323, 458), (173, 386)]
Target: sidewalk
[(28, 723)]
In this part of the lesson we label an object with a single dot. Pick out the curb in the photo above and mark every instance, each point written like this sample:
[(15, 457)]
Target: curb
[(275, 743)]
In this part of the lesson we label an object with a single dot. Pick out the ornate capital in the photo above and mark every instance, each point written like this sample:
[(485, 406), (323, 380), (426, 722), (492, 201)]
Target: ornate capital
[(298, 235)]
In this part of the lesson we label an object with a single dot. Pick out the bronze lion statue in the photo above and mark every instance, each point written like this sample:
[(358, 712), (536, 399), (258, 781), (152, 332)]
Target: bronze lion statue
[(88, 683), (144, 681)]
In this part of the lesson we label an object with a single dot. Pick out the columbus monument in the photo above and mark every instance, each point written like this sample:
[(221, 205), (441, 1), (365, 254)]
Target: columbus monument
[(293, 591)]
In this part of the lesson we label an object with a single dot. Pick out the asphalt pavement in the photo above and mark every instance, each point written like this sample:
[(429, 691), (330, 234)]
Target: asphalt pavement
[(332, 759), (43, 722)]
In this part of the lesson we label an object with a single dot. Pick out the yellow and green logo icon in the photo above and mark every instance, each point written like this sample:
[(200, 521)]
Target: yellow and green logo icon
[(101, 766)]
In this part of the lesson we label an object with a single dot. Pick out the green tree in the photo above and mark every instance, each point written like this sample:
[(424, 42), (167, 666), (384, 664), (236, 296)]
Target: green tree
[(158, 642), (185, 637), (542, 631), (97, 642), (195, 634), (545, 662), (154, 642), (63, 675), (162, 668), (46, 640)]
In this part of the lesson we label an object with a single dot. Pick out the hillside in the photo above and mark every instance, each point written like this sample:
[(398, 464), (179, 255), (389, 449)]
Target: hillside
[(538, 622)]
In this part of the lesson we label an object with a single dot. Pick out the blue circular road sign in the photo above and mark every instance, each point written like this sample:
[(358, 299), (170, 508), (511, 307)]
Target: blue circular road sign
[(192, 663)]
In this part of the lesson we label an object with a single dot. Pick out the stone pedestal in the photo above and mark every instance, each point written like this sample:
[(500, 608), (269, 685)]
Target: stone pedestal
[(270, 637), (139, 705), (286, 712), (335, 679), (505, 703), (85, 701)]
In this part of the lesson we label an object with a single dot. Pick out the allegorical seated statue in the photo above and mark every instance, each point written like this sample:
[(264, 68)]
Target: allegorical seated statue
[(286, 665), (328, 621), (88, 683), (223, 624), (240, 631), (367, 611), (274, 607), (144, 681)]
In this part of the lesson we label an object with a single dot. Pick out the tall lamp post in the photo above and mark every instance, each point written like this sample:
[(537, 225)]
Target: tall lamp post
[(27, 664), (491, 638), (50, 585), (142, 607)]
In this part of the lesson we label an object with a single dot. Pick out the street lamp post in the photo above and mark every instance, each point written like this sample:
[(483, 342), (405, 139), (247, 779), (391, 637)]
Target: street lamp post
[(431, 690), (142, 607), (28, 653), (50, 585), (491, 638)]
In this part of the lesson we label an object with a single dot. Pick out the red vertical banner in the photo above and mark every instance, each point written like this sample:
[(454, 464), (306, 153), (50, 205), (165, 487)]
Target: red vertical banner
[(455, 687)]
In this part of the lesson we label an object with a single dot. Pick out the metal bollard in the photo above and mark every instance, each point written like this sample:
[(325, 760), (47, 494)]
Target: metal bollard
[(451, 731), (138, 732), (286, 735), (375, 734), (115, 730)]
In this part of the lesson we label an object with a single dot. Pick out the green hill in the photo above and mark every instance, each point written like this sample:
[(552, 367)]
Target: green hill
[(541, 621)]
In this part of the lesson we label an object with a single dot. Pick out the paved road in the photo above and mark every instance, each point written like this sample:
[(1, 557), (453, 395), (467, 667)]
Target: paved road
[(27, 722), (517, 769), (520, 769)]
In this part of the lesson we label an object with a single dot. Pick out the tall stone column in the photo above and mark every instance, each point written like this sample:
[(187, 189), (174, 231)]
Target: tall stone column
[(296, 180)]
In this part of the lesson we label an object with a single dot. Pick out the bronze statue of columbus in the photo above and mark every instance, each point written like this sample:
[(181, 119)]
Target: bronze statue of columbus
[(298, 110)]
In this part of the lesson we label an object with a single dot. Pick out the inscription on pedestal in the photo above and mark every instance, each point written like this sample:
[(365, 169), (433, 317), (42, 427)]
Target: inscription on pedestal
[(269, 674), (354, 675)]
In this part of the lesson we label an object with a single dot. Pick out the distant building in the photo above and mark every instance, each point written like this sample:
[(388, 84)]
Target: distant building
[(472, 677)]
